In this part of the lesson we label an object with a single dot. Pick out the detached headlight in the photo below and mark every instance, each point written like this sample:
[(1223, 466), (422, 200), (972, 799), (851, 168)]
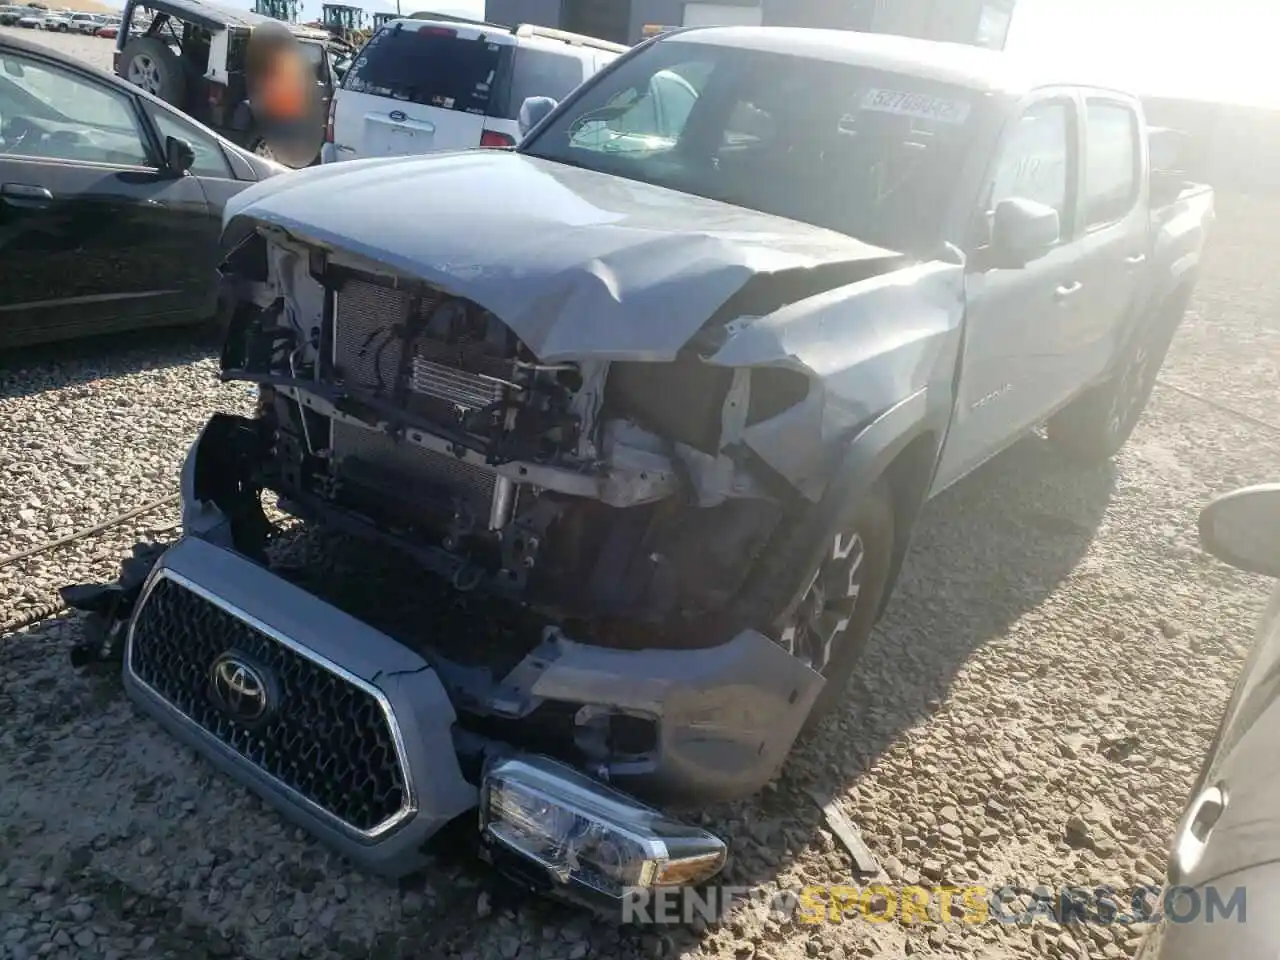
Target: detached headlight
[(583, 833)]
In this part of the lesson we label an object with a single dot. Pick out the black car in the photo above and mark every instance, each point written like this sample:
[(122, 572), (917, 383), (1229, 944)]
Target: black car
[(110, 201), (1224, 865)]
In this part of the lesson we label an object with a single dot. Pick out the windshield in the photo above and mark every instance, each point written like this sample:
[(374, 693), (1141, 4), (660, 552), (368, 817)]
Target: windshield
[(429, 66), (867, 153)]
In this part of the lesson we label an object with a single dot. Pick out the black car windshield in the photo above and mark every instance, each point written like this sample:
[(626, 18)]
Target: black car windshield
[(867, 153)]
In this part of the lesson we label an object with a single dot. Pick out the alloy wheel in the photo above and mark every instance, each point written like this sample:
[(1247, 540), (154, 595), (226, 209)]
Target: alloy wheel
[(822, 618)]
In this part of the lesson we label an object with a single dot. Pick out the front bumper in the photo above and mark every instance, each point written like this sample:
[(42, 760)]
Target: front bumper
[(723, 718)]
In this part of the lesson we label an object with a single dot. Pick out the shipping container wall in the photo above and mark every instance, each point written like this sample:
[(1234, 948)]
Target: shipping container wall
[(545, 13)]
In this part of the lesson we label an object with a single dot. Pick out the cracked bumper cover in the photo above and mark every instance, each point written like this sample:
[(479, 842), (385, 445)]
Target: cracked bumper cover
[(726, 716)]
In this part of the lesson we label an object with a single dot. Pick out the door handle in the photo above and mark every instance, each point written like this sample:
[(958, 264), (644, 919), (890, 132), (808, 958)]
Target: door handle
[(1137, 260), (1067, 290), (29, 193)]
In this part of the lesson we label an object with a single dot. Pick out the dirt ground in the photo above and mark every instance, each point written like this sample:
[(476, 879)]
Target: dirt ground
[(95, 51), (1032, 710)]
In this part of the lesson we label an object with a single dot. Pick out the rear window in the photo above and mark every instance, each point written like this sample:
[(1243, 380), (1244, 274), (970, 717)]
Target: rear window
[(434, 68), (541, 73)]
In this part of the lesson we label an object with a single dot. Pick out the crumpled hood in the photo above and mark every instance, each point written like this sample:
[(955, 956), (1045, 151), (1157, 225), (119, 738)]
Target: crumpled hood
[(577, 263)]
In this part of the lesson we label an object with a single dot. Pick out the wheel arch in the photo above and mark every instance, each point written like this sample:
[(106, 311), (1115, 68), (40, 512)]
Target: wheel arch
[(898, 448)]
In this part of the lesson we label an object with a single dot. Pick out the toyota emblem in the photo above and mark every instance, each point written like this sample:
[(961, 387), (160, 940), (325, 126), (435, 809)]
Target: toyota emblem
[(399, 116), (239, 689)]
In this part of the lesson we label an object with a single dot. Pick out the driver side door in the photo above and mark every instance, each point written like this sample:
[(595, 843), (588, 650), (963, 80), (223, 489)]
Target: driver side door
[(94, 230)]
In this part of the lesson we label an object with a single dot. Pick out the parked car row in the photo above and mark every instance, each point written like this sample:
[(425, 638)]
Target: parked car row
[(58, 21)]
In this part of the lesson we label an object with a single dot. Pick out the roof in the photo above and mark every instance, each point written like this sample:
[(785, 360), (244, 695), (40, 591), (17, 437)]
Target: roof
[(212, 16), (953, 63)]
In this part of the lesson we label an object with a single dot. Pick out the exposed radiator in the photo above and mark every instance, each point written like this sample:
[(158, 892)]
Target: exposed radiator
[(366, 348), (490, 496)]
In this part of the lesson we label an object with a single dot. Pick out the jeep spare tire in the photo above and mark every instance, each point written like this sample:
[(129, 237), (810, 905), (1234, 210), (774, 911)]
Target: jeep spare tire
[(150, 64)]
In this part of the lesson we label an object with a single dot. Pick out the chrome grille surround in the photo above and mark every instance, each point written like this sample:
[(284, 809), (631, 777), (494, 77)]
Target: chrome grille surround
[(180, 688)]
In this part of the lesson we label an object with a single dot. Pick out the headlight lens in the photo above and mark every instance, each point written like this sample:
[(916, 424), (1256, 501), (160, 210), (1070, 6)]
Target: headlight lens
[(584, 833)]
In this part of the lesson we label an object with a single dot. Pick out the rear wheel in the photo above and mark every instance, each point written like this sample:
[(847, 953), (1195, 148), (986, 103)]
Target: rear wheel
[(149, 63), (1095, 425), (830, 627)]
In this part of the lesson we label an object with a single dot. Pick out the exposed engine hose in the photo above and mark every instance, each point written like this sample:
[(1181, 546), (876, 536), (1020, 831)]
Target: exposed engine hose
[(47, 610)]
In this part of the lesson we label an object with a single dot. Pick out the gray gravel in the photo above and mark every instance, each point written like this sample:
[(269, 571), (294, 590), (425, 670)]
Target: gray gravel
[(1032, 709)]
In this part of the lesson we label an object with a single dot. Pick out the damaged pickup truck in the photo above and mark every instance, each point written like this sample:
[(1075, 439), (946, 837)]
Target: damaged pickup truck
[(639, 416)]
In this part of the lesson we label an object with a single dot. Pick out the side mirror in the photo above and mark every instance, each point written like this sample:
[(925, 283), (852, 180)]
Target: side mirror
[(340, 68), (1022, 231), (533, 111), (1243, 529), (178, 156)]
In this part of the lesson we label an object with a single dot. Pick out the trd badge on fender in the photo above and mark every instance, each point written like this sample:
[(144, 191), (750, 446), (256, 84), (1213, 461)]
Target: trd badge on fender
[(239, 689)]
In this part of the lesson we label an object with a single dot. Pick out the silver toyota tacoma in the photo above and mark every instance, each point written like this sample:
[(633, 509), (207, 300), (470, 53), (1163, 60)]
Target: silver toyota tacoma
[(637, 419)]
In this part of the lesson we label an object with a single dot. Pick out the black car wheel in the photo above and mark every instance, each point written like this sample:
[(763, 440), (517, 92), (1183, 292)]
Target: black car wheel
[(149, 63)]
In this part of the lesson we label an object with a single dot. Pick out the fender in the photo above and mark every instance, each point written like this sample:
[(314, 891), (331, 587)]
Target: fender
[(870, 456)]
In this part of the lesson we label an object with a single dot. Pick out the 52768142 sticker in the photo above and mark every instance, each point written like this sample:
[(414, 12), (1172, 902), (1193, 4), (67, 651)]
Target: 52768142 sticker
[(921, 106)]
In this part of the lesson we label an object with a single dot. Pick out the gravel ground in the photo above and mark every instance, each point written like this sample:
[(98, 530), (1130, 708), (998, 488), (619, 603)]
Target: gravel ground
[(1032, 710)]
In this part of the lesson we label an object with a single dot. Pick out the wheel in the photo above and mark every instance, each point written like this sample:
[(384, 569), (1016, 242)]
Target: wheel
[(832, 623), (1095, 425), (149, 63), (63, 28)]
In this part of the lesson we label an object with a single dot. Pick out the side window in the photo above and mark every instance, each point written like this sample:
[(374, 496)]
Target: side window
[(1037, 160), (210, 160), (1111, 162), (49, 112)]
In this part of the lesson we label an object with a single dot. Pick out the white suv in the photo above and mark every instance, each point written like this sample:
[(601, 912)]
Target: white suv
[(419, 86)]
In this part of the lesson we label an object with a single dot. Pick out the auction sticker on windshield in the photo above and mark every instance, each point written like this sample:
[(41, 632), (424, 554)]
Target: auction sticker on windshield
[(921, 106)]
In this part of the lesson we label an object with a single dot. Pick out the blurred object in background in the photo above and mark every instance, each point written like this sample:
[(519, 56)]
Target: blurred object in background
[(282, 92)]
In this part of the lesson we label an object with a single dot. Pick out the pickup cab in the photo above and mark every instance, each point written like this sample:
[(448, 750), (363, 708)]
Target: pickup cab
[(621, 434)]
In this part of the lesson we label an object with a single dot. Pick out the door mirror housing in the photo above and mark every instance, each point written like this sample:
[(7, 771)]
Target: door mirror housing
[(340, 68), (533, 111), (1021, 231), (1243, 529), (179, 157)]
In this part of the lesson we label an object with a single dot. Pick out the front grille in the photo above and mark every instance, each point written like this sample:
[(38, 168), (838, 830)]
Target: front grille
[(474, 484), (328, 739)]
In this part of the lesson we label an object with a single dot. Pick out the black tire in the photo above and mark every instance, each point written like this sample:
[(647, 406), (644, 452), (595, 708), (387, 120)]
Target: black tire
[(868, 522), (1094, 426), (151, 65)]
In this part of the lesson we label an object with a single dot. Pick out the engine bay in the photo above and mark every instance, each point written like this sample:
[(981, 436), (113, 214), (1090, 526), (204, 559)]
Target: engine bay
[(606, 496)]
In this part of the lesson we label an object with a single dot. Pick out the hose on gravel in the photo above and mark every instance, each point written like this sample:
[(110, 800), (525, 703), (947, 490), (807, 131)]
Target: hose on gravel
[(1220, 406), (50, 609)]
